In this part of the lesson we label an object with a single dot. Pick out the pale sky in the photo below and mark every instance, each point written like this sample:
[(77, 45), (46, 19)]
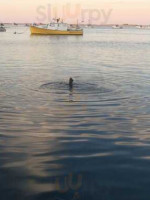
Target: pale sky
[(99, 11)]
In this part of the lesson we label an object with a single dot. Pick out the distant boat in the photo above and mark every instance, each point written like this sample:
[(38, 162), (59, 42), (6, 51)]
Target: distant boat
[(117, 27), (56, 28), (143, 27), (139, 26), (2, 28), (89, 25)]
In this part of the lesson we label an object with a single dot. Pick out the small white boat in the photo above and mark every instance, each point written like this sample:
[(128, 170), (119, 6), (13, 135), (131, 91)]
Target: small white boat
[(139, 26), (117, 27), (143, 27)]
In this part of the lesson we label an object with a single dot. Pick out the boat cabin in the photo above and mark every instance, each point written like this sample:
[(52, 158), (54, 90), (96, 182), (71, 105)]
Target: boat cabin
[(58, 26)]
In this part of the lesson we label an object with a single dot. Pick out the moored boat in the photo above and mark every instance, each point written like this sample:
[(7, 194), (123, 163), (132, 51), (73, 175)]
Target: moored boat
[(2, 28), (117, 27), (139, 26), (56, 28)]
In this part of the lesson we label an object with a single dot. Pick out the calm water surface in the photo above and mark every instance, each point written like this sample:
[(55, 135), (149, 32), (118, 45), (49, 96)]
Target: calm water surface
[(91, 142)]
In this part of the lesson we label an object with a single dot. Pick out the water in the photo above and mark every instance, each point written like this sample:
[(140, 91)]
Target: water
[(91, 142)]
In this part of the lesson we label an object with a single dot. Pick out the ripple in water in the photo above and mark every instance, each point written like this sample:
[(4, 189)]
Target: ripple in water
[(80, 87)]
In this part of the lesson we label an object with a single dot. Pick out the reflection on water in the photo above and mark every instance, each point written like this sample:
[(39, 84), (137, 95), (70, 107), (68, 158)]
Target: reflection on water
[(88, 142)]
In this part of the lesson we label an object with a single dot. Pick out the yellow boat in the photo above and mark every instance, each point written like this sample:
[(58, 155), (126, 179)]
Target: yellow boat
[(56, 29)]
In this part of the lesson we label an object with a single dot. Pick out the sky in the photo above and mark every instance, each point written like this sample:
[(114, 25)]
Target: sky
[(85, 11)]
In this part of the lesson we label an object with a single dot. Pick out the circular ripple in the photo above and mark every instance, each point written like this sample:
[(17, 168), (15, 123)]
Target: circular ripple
[(79, 87)]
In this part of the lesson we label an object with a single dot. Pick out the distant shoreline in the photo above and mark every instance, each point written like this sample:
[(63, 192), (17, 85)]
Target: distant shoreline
[(85, 25)]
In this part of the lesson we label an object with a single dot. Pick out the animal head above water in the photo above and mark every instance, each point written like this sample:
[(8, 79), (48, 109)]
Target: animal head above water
[(71, 82)]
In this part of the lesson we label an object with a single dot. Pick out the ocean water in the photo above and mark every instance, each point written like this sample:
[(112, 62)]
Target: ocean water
[(91, 142)]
